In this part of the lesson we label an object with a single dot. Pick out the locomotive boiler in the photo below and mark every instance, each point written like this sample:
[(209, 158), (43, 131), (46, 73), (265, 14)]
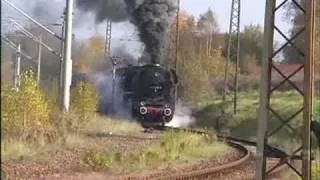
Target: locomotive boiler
[(149, 92)]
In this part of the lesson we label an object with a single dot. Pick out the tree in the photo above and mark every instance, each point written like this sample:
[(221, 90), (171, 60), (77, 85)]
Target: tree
[(207, 26), (251, 46), (90, 55), (297, 18), (198, 70), (252, 42)]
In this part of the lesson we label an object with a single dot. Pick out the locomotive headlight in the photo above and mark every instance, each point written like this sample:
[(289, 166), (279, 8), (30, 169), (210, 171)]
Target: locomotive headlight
[(143, 110), (167, 111)]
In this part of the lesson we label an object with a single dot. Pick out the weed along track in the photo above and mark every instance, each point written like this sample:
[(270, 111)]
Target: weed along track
[(207, 170), (157, 154), (202, 170), (239, 167)]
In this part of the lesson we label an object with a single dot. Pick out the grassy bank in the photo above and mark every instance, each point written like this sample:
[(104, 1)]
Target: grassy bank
[(32, 123), (244, 123), (15, 149), (173, 148)]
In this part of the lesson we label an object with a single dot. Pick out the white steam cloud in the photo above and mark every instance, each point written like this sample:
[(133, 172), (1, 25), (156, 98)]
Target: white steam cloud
[(183, 117), (103, 82)]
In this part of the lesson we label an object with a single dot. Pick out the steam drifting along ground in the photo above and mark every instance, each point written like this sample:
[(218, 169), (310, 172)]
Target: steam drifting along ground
[(182, 117)]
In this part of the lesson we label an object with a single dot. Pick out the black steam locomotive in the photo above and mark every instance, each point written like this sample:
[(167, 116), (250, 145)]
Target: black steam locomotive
[(150, 91)]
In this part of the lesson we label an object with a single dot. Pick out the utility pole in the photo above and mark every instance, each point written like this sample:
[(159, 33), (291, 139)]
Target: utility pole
[(310, 7), (67, 63), (39, 59), (17, 76), (62, 49), (231, 77)]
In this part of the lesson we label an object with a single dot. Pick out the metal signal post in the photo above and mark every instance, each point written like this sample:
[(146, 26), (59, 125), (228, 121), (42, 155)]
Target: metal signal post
[(231, 75), (267, 90)]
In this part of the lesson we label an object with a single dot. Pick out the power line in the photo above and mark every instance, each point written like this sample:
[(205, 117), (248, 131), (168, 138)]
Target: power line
[(32, 37), (13, 46), (33, 20)]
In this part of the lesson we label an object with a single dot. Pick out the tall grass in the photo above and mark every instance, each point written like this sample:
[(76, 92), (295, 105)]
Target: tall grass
[(316, 163), (32, 122), (174, 147), (244, 124)]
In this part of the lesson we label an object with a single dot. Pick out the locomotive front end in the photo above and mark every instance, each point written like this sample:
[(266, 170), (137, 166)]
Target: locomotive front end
[(159, 114), (154, 96)]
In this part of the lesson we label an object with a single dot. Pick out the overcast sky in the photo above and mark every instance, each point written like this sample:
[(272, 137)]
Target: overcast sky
[(252, 12)]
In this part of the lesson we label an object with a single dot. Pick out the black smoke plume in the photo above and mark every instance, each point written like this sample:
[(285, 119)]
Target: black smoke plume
[(151, 17), (115, 10)]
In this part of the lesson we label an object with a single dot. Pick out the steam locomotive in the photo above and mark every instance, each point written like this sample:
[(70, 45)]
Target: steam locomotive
[(150, 92)]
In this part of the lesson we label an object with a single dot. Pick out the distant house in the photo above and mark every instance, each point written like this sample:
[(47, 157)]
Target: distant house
[(288, 68)]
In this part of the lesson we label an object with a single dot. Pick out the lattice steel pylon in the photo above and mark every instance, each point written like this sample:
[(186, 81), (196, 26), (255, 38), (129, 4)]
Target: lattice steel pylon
[(233, 54), (107, 50), (266, 108)]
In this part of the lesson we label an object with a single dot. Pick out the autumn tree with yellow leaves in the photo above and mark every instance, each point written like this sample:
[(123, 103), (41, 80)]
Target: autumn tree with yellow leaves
[(200, 62), (89, 54)]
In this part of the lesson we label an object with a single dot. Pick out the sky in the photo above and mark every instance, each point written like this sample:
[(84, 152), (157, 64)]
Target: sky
[(252, 12)]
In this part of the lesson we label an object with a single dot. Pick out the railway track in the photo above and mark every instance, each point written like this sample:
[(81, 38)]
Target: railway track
[(247, 159), (228, 167)]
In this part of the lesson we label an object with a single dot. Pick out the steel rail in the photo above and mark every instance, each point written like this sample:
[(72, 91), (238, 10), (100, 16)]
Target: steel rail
[(204, 173), (198, 173), (233, 142)]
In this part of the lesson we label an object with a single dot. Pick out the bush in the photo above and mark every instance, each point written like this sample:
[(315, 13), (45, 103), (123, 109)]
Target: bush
[(26, 111), (200, 74), (84, 103), (315, 169), (317, 112)]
